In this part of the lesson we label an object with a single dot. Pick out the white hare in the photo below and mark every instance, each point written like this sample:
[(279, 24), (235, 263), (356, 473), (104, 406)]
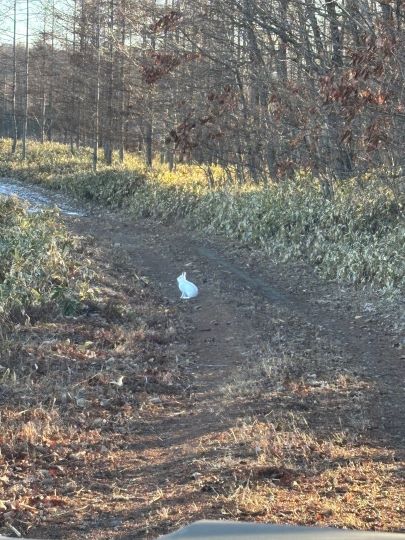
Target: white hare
[(188, 289)]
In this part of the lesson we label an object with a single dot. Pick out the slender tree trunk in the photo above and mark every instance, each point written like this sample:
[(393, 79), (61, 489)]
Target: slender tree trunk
[(311, 14), (52, 81), (149, 137), (122, 87), (43, 92), (4, 115), (255, 67), (336, 34), (79, 135), (148, 122), (73, 87), (282, 49), (340, 158), (97, 93), (27, 53), (14, 91), (108, 145), (398, 8)]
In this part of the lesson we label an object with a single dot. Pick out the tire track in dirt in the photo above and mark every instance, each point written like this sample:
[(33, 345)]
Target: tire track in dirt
[(222, 331)]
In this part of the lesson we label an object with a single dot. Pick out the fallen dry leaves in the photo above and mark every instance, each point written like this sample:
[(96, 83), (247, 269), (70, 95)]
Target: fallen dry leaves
[(102, 432)]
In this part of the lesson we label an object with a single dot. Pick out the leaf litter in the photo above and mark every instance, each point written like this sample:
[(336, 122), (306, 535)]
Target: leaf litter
[(106, 430)]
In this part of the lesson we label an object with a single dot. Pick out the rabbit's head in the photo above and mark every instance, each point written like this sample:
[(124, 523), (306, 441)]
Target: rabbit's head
[(181, 278)]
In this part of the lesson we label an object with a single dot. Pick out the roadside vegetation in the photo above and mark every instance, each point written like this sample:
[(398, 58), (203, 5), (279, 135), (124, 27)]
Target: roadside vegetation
[(39, 270), (352, 230)]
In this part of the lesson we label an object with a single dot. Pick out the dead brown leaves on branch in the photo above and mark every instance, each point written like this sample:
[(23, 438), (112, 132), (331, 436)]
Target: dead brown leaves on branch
[(361, 82), (196, 129), (160, 64), (167, 22), (364, 86)]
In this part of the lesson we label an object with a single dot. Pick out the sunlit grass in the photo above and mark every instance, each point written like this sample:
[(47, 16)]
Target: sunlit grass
[(357, 236), (37, 267)]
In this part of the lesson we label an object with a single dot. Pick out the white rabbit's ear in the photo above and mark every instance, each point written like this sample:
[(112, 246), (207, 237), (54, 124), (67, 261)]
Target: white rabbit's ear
[(184, 275)]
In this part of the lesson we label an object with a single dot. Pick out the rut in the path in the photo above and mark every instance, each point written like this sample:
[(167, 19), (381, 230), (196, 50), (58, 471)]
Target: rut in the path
[(221, 334)]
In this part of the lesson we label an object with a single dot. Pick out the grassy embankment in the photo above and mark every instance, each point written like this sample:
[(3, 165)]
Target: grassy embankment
[(38, 269), (356, 237)]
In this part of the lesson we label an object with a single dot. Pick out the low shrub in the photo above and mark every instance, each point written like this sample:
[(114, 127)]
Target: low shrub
[(38, 269)]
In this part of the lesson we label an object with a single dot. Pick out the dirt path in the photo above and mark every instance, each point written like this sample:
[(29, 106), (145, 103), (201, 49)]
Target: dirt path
[(294, 385), (233, 318)]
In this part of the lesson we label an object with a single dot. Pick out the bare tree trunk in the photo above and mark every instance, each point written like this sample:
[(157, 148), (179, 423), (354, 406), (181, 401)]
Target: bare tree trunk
[(74, 75), (79, 119), (43, 96), (14, 91), (25, 125), (311, 14), (52, 82), (256, 62), (398, 8), (336, 35), (122, 87), (121, 143), (148, 134), (97, 93), (282, 50), (3, 120), (108, 145), (149, 137)]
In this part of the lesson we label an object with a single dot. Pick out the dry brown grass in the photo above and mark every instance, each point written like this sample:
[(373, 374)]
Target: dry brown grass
[(74, 393), (102, 435), (305, 453), (294, 477)]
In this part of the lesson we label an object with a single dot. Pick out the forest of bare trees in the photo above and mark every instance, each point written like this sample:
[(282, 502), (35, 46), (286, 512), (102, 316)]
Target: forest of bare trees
[(264, 87)]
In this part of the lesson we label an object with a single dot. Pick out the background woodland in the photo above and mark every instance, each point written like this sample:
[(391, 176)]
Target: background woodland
[(263, 88)]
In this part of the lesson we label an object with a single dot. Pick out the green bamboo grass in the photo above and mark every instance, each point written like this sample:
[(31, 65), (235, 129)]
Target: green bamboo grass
[(356, 237)]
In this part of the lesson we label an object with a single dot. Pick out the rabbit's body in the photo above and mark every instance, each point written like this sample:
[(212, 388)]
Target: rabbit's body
[(187, 289)]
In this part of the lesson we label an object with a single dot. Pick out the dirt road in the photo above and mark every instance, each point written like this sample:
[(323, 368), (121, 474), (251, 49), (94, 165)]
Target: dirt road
[(236, 317), (293, 396), (263, 341)]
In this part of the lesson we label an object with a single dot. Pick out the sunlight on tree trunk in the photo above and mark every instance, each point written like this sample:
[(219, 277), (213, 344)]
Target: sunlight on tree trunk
[(25, 124), (14, 91)]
